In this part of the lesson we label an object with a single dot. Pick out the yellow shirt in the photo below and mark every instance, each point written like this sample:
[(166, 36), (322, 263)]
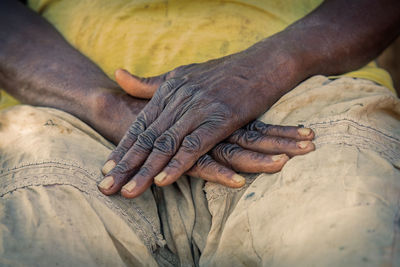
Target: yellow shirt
[(150, 37)]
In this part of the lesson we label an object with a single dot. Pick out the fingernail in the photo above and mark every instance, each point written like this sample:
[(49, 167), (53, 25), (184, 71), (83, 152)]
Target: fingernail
[(278, 157), (303, 144), (129, 186), (238, 179), (107, 183), (160, 177), (108, 166), (304, 131)]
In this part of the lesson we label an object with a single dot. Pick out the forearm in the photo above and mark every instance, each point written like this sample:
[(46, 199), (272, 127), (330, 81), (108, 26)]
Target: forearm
[(39, 67), (338, 37)]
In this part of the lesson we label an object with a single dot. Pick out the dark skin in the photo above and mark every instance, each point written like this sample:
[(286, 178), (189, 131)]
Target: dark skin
[(38, 67), (199, 105)]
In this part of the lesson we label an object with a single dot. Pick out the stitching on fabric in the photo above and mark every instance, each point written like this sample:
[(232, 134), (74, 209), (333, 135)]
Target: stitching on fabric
[(329, 132), (361, 127), (362, 136), (85, 181)]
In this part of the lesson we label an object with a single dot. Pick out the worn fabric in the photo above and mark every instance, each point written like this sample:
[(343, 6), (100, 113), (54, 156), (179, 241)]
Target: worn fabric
[(152, 37), (336, 206)]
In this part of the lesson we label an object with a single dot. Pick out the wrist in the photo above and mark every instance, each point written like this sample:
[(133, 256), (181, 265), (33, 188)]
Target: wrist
[(281, 65), (112, 111)]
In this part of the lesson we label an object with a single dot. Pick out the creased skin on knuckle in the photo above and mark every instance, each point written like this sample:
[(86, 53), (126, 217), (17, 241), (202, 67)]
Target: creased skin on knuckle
[(279, 142), (123, 169), (191, 144), (204, 162), (236, 136), (167, 91), (251, 126), (174, 83), (137, 127), (190, 90), (146, 140), (260, 127), (167, 144), (174, 164), (190, 104), (224, 153), (251, 137)]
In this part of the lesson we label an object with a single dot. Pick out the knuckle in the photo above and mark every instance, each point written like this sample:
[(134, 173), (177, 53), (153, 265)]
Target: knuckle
[(251, 126), (260, 127), (204, 161), (139, 125), (123, 169), (167, 143), (172, 83), (251, 137), (226, 152), (146, 140), (175, 164), (191, 143), (190, 90), (279, 142), (237, 136)]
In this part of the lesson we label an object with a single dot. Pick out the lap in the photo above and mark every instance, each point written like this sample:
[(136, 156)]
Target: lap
[(334, 206), (51, 211)]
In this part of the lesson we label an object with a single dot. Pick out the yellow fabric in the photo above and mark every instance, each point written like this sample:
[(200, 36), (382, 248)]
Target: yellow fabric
[(6, 100), (150, 37)]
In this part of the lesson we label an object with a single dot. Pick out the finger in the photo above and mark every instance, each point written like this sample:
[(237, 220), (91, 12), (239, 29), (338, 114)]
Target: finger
[(193, 146), (126, 143), (137, 155), (208, 169), (149, 114), (256, 141), (164, 149), (143, 144), (122, 172), (242, 160), (136, 86), (298, 133)]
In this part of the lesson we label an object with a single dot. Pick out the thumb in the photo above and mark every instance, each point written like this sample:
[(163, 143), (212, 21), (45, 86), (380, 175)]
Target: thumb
[(136, 86)]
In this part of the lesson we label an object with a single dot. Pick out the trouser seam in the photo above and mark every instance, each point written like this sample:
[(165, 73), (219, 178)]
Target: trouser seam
[(26, 175)]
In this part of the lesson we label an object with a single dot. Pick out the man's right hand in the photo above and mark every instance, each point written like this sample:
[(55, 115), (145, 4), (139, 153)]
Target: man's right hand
[(255, 148)]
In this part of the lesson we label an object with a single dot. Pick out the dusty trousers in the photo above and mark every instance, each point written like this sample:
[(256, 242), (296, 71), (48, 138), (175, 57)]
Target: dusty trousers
[(336, 206)]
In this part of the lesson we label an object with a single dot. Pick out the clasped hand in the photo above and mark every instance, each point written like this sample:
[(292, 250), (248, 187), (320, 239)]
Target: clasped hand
[(194, 108)]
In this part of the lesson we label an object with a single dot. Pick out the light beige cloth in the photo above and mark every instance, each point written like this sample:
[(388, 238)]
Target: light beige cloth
[(336, 206)]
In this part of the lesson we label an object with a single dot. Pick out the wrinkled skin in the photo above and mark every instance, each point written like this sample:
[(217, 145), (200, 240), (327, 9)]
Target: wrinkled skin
[(154, 139), (47, 71), (236, 88), (199, 105)]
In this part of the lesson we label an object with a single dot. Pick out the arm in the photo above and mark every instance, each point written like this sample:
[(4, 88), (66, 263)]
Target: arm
[(337, 37), (199, 105), (39, 67)]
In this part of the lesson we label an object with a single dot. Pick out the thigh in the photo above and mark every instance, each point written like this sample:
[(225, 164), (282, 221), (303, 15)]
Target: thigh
[(336, 206), (51, 212)]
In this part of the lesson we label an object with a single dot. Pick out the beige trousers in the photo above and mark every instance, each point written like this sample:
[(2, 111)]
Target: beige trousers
[(336, 206)]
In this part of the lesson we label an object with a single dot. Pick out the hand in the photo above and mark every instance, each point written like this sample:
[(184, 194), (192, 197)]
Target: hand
[(256, 148), (172, 114)]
